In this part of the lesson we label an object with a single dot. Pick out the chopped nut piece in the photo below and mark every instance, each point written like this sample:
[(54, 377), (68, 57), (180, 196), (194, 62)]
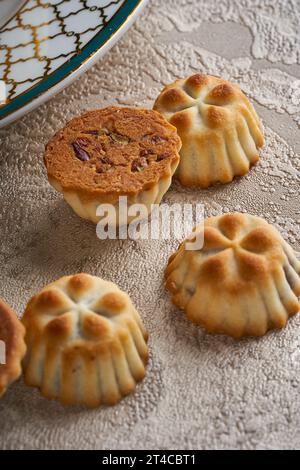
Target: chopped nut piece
[(80, 153), (92, 132), (82, 142), (139, 165), (106, 160), (146, 152), (100, 149), (163, 156), (100, 168), (120, 139), (155, 139)]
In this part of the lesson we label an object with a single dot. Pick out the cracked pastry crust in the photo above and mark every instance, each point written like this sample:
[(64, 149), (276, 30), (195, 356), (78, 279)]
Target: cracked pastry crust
[(86, 342), (219, 128), (113, 152), (12, 335), (243, 282)]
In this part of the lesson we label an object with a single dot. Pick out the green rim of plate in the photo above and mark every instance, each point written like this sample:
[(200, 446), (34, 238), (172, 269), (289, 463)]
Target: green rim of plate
[(73, 64)]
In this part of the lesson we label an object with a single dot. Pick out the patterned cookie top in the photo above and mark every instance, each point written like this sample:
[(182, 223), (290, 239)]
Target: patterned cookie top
[(112, 150), (12, 345), (86, 341), (244, 281), (218, 126)]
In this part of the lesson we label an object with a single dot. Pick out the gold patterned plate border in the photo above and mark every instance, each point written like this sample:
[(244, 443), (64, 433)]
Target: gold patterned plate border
[(71, 69)]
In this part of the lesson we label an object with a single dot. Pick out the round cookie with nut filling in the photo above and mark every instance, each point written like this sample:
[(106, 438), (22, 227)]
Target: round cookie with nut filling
[(12, 346), (113, 152), (220, 131), (86, 342), (244, 281)]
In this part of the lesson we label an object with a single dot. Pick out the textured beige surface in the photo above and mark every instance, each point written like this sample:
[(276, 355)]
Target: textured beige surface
[(201, 391)]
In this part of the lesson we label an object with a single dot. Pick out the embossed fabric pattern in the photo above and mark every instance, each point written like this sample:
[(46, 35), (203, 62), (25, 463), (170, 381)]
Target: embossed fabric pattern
[(201, 391)]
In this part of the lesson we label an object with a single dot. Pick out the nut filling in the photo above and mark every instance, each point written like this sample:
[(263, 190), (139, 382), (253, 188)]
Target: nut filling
[(110, 152), (94, 150)]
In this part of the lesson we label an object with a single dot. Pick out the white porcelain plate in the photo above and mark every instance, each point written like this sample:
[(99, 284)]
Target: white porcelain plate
[(46, 44)]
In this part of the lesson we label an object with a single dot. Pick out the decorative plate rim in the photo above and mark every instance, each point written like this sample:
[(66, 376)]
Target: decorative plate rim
[(72, 68), (11, 16)]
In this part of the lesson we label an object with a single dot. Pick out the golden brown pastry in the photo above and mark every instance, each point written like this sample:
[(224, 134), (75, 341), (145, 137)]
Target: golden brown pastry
[(243, 282), (113, 152), (86, 342), (219, 128), (12, 345)]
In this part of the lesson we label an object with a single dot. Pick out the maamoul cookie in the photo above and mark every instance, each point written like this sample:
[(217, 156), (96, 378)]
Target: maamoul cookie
[(243, 282), (12, 346), (218, 126), (113, 152), (86, 342)]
